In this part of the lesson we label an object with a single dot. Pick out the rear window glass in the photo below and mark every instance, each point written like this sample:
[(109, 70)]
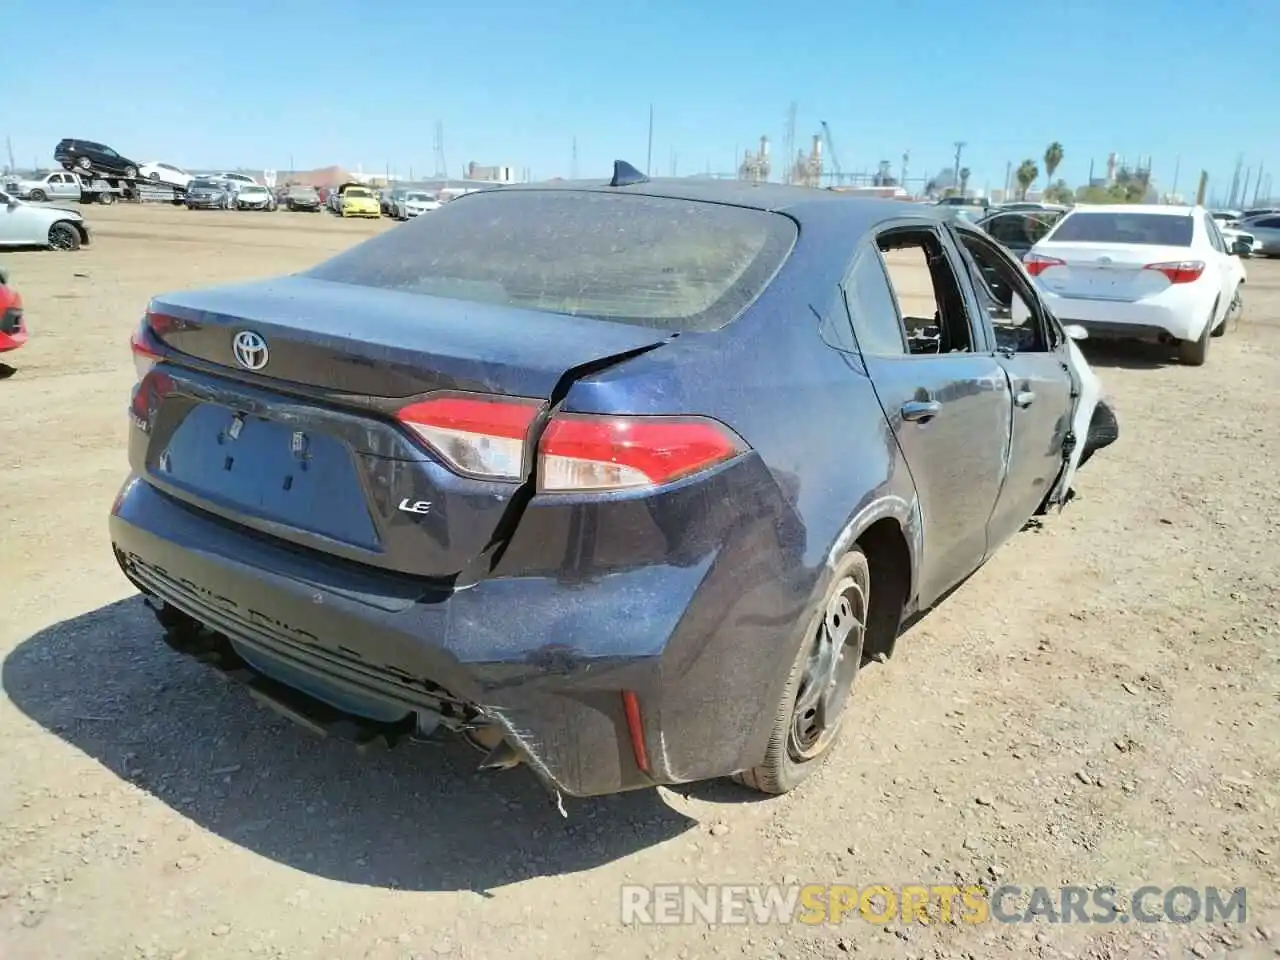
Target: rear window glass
[(1158, 229), (659, 262)]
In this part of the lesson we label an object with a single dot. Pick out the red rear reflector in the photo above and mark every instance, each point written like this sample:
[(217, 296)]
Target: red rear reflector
[(1037, 264), (1179, 271), (582, 453), (476, 436), (635, 726)]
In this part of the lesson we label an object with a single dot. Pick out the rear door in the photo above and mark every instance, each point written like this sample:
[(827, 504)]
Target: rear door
[(1032, 351), (1230, 269), (945, 397)]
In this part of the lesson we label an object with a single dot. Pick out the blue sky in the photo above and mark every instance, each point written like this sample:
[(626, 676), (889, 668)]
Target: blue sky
[(233, 82)]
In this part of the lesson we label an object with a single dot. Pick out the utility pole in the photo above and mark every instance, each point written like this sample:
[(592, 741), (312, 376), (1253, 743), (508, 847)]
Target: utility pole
[(789, 143), (1008, 178), (1235, 182), (1257, 187), (955, 173), (1244, 192), (648, 166), (1204, 185), (573, 160), (1177, 166), (906, 159), (13, 164)]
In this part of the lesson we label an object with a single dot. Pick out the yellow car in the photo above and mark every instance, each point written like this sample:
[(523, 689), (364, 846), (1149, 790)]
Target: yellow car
[(358, 201)]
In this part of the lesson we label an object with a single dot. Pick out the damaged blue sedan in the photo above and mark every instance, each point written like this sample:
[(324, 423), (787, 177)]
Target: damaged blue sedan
[(620, 480)]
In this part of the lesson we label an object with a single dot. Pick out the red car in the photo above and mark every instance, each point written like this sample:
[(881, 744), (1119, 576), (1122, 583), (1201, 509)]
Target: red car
[(13, 332)]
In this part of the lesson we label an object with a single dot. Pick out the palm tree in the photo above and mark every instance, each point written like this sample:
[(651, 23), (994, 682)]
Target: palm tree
[(1052, 160), (964, 181), (1026, 176)]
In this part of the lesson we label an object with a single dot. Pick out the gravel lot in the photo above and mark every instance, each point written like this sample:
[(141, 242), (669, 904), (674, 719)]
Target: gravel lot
[(1099, 705)]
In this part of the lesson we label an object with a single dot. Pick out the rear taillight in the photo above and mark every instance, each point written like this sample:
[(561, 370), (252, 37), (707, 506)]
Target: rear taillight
[(580, 452), (146, 349), (475, 436), (1179, 271), (488, 438), (1037, 264)]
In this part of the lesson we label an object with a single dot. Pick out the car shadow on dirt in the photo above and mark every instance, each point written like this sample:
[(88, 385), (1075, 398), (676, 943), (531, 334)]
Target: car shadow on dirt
[(416, 818)]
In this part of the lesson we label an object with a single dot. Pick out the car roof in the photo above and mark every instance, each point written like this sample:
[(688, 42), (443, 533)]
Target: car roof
[(803, 204), (1169, 210)]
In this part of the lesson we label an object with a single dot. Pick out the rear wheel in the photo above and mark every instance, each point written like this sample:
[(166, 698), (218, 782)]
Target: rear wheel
[(39, 196), (1194, 353), (809, 715), (64, 236), (84, 163), (131, 173), (1233, 313)]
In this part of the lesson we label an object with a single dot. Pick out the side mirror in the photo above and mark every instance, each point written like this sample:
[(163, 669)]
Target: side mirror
[(1075, 332), (1241, 248), (4, 276)]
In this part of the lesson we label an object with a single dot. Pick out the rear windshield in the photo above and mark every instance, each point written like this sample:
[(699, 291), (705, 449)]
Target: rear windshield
[(674, 264), (1157, 229), (356, 192), (206, 184)]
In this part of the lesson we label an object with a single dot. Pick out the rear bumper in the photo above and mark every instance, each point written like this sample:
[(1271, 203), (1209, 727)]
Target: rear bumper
[(545, 657), (1141, 320)]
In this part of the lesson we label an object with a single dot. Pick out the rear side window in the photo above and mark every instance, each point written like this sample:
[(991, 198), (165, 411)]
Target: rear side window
[(1157, 229), (1270, 223), (674, 264)]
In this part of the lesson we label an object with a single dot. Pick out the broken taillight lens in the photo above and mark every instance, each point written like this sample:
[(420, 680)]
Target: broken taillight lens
[(145, 348), (476, 436), (1179, 271), (489, 437)]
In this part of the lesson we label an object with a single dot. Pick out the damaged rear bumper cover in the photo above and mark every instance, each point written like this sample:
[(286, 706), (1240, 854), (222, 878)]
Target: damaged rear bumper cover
[(377, 656)]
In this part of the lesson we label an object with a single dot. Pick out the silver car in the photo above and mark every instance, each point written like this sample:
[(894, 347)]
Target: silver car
[(1266, 234), (25, 225), (39, 187)]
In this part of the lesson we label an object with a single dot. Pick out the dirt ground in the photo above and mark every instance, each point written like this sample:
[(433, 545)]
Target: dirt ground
[(1099, 705)]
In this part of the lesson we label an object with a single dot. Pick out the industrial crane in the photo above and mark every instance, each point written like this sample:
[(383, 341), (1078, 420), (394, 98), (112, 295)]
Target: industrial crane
[(838, 175)]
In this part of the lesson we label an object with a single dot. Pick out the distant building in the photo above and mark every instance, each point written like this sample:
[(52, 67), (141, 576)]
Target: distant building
[(498, 174)]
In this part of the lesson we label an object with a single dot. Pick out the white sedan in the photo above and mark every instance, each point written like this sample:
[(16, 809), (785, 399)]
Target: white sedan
[(1143, 272), (165, 173)]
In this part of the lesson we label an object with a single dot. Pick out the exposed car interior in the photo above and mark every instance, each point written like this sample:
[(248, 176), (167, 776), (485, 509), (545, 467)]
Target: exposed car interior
[(935, 323)]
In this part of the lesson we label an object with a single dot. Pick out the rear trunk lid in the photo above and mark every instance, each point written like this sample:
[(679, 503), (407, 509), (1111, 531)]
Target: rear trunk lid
[(1106, 271), (307, 448)]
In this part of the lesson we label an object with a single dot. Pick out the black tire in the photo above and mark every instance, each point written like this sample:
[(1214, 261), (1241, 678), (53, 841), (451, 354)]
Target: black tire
[(106, 198), (64, 236), (153, 176), (804, 733), (131, 173), (83, 163), (1193, 353), (39, 196)]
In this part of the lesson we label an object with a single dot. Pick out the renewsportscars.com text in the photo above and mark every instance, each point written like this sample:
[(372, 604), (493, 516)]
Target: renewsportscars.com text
[(920, 903)]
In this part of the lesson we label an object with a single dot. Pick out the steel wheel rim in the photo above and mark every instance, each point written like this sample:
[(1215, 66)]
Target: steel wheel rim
[(834, 654)]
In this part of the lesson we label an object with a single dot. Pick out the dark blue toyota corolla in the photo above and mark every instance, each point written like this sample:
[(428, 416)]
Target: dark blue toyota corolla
[(612, 478)]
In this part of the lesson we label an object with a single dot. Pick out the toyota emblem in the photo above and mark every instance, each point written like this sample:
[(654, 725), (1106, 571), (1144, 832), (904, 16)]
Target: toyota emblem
[(250, 350)]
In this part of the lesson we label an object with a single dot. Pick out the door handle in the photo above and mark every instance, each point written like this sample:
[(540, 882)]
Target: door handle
[(1024, 398), (921, 411)]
